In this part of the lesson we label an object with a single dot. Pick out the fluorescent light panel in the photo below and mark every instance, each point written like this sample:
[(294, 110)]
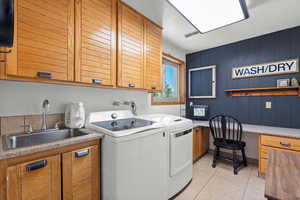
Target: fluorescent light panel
[(207, 15)]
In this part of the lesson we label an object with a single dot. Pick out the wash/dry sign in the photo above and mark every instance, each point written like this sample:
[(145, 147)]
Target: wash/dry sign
[(274, 68)]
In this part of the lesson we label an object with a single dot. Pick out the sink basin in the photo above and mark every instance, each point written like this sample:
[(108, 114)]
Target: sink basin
[(26, 140)]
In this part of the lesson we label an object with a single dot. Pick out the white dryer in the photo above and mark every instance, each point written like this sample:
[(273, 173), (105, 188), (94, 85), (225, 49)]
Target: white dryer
[(180, 150)]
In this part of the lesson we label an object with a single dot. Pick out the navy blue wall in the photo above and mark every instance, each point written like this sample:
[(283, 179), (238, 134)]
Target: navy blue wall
[(276, 46)]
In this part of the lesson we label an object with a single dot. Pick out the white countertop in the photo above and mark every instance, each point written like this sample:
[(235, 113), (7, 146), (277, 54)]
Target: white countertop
[(259, 129)]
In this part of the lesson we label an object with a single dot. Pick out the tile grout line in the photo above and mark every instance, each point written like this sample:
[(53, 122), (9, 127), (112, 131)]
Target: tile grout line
[(246, 188), (209, 179)]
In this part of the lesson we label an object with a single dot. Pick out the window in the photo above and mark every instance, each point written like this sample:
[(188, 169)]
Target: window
[(202, 82), (173, 82)]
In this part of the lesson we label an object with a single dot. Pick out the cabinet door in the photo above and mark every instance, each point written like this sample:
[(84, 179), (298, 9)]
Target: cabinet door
[(35, 180), (44, 40), (130, 48), (81, 174), (96, 23), (196, 143), (153, 56)]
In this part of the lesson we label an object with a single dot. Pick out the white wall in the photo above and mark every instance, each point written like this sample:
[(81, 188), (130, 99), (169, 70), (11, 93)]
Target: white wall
[(21, 98), (251, 149), (173, 50)]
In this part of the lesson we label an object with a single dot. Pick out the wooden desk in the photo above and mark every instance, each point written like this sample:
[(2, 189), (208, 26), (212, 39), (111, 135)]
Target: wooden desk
[(283, 176), (278, 138)]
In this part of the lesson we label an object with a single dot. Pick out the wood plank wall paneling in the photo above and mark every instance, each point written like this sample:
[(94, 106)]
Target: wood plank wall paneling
[(43, 39), (130, 47), (96, 38), (271, 47)]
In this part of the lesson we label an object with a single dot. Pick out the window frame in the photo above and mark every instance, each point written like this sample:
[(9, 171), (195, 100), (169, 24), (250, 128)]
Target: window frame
[(213, 83), (181, 82)]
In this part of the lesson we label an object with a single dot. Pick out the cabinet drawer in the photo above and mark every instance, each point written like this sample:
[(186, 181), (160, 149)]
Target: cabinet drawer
[(281, 142), (264, 151)]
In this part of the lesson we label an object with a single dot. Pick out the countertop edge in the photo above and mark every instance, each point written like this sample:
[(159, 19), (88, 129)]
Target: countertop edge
[(260, 129), (92, 135)]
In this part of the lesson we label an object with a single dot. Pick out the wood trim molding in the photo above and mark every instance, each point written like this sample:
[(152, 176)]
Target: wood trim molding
[(271, 91), (182, 81)]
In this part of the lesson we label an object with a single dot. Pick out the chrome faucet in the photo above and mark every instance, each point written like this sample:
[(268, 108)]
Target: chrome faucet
[(132, 105), (46, 106)]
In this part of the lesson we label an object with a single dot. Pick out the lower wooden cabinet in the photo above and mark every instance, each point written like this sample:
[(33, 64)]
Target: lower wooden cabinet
[(81, 174), (66, 173), (278, 143), (200, 142), (37, 179)]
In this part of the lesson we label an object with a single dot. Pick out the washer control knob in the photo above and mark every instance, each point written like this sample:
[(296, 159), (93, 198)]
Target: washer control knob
[(114, 116)]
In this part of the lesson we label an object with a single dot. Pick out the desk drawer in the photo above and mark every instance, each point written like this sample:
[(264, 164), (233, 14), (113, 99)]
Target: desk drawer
[(281, 142), (264, 151)]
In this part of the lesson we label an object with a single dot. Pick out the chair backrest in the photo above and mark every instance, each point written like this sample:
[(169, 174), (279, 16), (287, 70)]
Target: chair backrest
[(226, 128)]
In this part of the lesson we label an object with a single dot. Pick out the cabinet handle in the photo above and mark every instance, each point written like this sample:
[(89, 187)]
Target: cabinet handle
[(286, 144), (153, 87), (132, 85), (44, 75), (82, 153), (9, 51), (96, 81), (36, 165)]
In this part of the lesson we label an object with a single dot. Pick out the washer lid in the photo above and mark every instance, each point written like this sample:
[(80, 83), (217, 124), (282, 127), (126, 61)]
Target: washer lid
[(123, 124)]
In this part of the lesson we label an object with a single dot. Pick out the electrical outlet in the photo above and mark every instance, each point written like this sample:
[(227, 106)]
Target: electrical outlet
[(191, 104), (268, 105)]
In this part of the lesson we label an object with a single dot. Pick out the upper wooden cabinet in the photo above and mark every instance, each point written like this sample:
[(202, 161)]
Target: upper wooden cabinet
[(44, 40), (84, 42), (96, 41), (130, 48), (153, 56)]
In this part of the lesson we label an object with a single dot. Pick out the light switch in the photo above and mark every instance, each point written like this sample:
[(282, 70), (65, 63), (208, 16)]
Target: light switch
[(268, 105)]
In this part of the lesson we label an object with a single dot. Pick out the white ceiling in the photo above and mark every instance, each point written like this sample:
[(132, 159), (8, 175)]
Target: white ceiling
[(266, 16)]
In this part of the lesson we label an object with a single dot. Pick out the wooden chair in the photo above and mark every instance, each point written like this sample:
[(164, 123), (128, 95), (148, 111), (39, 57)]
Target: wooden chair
[(227, 133)]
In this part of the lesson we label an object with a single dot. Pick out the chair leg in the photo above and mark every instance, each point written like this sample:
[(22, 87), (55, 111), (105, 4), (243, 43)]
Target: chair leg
[(218, 151), (215, 157), (235, 162), (244, 157)]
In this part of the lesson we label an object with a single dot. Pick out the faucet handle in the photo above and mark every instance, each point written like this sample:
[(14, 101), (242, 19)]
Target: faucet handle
[(56, 126), (29, 128)]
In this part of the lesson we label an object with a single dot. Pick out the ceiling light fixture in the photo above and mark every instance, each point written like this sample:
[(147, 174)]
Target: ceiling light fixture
[(208, 15)]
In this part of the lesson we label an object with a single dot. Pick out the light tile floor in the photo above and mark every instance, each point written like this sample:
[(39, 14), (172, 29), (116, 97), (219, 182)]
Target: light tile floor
[(221, 184)]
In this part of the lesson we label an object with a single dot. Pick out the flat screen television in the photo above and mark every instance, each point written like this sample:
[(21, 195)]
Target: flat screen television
[(6, 23)]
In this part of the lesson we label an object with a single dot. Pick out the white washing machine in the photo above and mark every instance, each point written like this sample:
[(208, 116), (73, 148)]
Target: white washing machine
[(180, 150), (134, 156)]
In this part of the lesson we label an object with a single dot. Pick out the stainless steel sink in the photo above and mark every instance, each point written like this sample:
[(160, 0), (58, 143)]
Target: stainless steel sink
[(26, 140)]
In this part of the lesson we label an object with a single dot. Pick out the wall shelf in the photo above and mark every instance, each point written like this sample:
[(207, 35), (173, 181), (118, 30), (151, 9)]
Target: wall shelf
[(270, 91)]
